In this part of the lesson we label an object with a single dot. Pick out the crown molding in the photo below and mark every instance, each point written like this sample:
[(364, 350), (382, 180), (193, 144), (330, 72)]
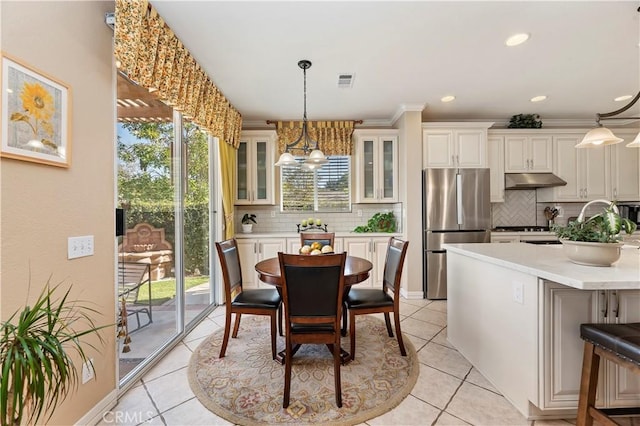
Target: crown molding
[(406, 108)]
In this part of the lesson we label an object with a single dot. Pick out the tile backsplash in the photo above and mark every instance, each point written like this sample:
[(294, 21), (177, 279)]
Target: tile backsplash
[(520, 208), (271, 219)]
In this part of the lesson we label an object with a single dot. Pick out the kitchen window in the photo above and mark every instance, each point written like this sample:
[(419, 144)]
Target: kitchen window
[(327, 189)]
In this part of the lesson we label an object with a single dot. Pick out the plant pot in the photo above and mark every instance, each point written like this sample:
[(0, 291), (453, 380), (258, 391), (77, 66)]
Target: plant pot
[(592, 254), (247, 228)]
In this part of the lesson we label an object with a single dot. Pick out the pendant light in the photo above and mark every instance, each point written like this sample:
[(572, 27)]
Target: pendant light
[(316, 158), (601, 136)]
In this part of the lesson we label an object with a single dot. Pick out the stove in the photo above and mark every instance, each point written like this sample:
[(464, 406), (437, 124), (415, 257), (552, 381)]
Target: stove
[(521, 229)]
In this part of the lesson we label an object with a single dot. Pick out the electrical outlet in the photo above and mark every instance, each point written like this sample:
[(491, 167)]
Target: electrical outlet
[(359, 213), (560, 211), (518, 292), (87, 371), (273, 213), (80, 246)]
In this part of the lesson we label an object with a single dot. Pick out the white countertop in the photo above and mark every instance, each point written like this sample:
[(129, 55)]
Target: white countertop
[(297, 235), (549, 262)]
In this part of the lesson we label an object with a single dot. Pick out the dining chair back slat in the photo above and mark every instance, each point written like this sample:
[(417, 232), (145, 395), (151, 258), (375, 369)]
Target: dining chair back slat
[(239, 301), (324, 238), (312, 289), (385, 300)]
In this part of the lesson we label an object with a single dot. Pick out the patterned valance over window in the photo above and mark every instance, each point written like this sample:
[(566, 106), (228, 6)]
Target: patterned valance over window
[(334, 137), (150, 54)]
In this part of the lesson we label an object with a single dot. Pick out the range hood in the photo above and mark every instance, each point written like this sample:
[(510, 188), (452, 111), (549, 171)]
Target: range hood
[(531, 180)]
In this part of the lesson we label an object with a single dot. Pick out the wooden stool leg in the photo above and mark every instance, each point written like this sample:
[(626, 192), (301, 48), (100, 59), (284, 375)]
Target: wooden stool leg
[(588, 385)]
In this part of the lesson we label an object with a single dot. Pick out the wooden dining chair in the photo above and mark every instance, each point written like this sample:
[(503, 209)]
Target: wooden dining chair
[(324, 238), (385, 300), (240, 301), (312, 288)]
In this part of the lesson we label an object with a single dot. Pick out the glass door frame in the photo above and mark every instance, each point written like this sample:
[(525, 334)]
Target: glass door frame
[(179, 175)]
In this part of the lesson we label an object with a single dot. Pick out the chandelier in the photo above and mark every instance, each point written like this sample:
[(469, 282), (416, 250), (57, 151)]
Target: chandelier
[(601, 136), (310, 148)]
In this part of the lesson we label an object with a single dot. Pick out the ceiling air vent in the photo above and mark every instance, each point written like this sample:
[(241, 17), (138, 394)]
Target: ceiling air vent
[(345, 80)]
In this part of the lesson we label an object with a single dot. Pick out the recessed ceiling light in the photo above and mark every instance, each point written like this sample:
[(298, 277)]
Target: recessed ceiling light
[(538, 98), (517, 39), (623, 98), (447, 98)]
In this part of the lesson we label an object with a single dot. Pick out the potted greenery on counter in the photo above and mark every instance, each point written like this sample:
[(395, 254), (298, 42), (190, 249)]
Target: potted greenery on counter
[(247, 222), (379, 222), (595, 241), (36, 370)]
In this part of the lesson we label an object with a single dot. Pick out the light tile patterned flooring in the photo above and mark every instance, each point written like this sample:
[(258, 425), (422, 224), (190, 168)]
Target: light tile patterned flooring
[(449, 391)]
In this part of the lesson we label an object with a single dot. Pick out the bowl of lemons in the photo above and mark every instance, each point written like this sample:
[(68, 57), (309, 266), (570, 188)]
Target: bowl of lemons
[(316, 248)]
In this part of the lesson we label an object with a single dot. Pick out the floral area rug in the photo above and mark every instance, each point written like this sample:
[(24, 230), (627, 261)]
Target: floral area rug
[(246, 386)]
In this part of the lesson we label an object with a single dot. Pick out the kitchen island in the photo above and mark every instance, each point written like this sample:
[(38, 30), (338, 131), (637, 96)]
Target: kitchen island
[(514, 310)]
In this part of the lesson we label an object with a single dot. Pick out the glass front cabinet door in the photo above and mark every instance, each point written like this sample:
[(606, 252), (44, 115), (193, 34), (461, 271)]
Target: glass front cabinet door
[(254, 182), (377, 167)]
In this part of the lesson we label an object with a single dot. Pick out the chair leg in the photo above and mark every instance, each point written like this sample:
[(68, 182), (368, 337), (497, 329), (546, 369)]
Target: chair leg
[(236, 326), (273, 334), (588, 385), (387, 321), (396, 320), (287, 374), (343, 331), (280, 319), (336, 372), (352, 333), (225, 339)]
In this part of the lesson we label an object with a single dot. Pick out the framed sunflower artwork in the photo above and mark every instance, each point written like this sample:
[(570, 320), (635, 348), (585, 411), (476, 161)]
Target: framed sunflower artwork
[(35, 115)]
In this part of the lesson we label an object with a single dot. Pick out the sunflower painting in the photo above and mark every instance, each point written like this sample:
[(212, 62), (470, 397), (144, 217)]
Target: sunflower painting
[(35, 116)]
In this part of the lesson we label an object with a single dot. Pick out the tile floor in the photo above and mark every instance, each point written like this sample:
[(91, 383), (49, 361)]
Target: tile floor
[(449, 391)]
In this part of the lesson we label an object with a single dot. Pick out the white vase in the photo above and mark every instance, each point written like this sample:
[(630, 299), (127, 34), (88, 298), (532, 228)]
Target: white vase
[(247, 228), (592, 254)]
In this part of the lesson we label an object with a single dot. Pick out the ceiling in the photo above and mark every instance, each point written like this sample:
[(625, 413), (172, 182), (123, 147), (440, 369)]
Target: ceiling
[(407, 55)]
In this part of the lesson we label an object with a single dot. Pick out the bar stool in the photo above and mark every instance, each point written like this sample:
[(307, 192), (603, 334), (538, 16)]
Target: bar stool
[(618, 343)]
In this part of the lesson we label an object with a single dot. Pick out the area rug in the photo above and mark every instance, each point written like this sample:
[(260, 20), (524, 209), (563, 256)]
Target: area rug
[(245, 387)]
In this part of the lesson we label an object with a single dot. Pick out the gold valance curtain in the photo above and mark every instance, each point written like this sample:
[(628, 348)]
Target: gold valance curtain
[(334, 137), (150, 54)]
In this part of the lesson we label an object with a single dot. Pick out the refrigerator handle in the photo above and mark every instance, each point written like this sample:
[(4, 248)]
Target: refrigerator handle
[(459, 197)]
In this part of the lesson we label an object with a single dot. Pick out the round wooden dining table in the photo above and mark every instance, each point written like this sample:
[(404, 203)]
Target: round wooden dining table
[(356, 270)]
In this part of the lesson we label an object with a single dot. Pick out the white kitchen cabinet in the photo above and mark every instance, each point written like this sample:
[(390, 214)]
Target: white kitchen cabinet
[(622, 387), (254, 179), (501, 237), (374, 249), (528, 153), (565, 309), (376, 166), (625, 171), (496, 167), (586, 171), (454, 145), (252, 251)]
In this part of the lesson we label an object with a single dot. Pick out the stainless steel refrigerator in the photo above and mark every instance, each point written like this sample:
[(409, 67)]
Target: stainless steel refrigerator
[(456, 209)]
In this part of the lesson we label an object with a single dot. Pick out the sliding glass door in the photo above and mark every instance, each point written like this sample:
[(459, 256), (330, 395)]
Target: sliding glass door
[(164, 257)]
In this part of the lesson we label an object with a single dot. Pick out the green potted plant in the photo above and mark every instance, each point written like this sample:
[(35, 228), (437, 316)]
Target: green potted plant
[(247, 222), (36, 369), (595, 241), (379, 222)]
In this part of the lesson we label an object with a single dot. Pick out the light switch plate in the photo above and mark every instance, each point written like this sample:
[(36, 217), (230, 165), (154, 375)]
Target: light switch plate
[(80, 246)]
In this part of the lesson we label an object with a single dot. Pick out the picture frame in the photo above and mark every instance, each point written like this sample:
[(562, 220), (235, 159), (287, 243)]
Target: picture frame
[(36, 115)]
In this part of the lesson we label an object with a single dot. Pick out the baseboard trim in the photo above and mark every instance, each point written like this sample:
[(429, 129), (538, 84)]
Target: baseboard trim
[(411, 294), (97, 413)]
